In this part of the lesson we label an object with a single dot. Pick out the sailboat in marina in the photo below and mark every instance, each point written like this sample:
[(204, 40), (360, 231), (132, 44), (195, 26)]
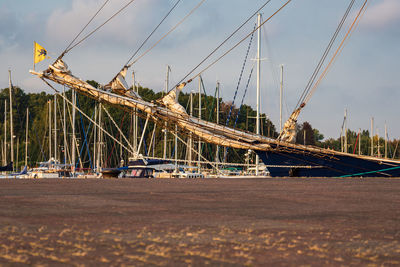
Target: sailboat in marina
[(281, 156)]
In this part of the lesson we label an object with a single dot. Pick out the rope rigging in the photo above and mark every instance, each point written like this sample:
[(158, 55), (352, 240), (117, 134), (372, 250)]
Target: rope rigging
[(151, 34), (324, 56), (165, 35), (338, 51), (70, 46), (240, 77), (230, 50), (215, 50)]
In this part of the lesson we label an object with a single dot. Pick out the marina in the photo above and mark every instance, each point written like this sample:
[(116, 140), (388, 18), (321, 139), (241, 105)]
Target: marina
[(200, 149)]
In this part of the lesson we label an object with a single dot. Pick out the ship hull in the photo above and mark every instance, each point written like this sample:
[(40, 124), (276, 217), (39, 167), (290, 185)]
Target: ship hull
[(300, 162)]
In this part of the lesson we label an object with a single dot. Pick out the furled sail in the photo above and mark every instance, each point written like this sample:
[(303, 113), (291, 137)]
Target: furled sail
[(288, 133), (172, 112)]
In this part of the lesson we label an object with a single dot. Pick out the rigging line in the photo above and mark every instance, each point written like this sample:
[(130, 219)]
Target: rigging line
[(230, 36), (230, 50), (84, 114), (241, 104), (92, 32), (151, 34), (240, 77), (338, 51), (325, 54), (76, 37), (165, 35)]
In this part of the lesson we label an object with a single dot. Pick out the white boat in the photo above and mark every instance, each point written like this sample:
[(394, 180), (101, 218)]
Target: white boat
[(50, 169)]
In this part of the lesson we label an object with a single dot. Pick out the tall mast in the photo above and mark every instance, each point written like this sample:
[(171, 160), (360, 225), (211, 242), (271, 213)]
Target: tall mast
[(98, 157), (199, 148), (359, 141), (64, 128), (55, 126), (166, 88), (345, 131), (11, 118), (280, 99), (258, 83), (73, 132), (26, 136), (386, 154), (135, 117), (49, 129), (372, 136), (95, 137), (5, 132), (191, 134), (217, 151)]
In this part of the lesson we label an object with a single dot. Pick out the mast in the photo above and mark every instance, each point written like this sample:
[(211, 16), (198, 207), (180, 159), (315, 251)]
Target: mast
[(99, 140), (95, 136), (359, 142), (11, 118), (345, 131), (5, 132), (73, 132), (55, 126), (280, 99), (217, 150), (16, 160), (166, 88), (135, 117), (64, 128), (258, 83), (386, 154), (199, 148), (372, 136), (176, 148), (49, 129), (191, 134), (26, 136)]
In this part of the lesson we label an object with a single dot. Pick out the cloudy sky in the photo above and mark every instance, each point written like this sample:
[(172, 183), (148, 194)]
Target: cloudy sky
[(364, 79)]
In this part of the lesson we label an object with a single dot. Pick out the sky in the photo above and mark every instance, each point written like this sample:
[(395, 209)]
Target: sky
[(363, 80)]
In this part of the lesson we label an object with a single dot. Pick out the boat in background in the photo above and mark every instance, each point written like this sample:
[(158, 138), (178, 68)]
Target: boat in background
[(50, 169)]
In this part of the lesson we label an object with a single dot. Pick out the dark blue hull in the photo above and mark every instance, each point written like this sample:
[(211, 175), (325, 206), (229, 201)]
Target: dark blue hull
[(295, 161)]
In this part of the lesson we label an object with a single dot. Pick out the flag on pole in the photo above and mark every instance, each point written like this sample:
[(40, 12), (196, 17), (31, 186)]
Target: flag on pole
[(39, 53)]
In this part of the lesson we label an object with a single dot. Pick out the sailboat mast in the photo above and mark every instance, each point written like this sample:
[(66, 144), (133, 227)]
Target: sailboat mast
[(217, 150), (258, 83), (5, 132), (73, 132), (95, 137), (372, 136), (280, 99), (64, 128), (49, 128), (11, 118), (98, 157), (199, 148), (26, 136), (190, 134), (55, 126), (386, 147), (166, 88), (345, 131), (135, 117)]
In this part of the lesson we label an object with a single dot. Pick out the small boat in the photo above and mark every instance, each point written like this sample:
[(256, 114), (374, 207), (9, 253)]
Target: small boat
[(50, 169)]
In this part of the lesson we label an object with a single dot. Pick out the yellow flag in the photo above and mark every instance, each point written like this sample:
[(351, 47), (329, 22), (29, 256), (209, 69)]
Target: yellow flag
[(40, 53)]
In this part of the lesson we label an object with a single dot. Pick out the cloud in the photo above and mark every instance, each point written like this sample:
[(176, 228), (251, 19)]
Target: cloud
[(384, 14), (125, 29)]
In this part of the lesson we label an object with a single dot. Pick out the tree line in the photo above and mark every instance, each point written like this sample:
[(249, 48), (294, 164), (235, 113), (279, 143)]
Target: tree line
[(240, 117)]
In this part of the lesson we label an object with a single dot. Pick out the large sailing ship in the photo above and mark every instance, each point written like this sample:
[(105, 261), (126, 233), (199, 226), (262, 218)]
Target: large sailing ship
[(281, 156)]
